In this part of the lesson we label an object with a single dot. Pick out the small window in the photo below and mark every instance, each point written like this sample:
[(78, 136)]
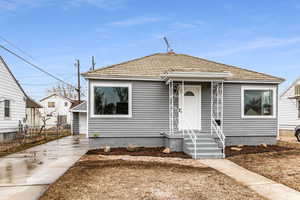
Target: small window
[(189, 93), (66, 104), (6, 108), (62, 119), (258, 102), (51, 104)]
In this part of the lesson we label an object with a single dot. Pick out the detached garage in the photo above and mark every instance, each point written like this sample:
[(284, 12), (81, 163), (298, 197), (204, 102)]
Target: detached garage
[(79, 119)]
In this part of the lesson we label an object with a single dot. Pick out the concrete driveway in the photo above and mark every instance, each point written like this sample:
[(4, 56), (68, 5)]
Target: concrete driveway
[(27, 174)]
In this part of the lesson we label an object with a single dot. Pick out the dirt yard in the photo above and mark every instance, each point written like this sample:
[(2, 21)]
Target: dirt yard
[(279, 163), (144, 178)]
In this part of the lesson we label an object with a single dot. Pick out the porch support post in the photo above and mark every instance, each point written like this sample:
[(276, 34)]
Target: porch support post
[(171, 108), (211, 107), (182, 102)]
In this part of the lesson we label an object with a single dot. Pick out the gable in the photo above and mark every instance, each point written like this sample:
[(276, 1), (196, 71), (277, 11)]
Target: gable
[(9, 85), (290, 91)]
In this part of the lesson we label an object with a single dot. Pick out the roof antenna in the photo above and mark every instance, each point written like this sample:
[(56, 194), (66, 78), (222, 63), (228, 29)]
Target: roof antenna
[(169, 49)]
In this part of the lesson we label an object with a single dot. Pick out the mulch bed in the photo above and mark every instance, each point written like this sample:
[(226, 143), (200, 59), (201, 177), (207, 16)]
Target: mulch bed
[(140, 151), (255, 149)]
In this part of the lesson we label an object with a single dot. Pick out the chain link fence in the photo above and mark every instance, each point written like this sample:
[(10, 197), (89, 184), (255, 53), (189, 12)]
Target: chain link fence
[(26, 136)]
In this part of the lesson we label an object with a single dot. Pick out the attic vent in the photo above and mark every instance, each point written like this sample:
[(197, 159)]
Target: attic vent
[(297, 90)]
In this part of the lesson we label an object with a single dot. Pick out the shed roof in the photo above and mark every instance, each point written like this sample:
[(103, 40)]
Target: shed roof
[(30, 103)]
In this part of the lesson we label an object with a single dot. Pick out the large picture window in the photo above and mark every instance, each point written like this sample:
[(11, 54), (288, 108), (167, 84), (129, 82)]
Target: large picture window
[(111, 101), (258, 102)]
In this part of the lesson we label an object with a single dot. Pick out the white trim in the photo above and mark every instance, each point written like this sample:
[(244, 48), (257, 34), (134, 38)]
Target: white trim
[(78, 111), (181, 104), (112, 84), (128, 78), (87, 109), (217, 75), (252, 87), (142, 78)]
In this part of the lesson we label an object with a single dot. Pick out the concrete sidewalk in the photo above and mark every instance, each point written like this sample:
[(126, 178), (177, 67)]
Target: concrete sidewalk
[(262, 185), (27, 174)]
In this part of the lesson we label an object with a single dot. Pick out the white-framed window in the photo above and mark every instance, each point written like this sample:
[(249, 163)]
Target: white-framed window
[(258, 101), (6, 108), (111, 100), (51, 104)]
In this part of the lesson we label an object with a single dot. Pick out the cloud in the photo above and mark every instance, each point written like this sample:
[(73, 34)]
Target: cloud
[(104, 4), (190, 25), (255, 44), (12, 5), (136, 21)]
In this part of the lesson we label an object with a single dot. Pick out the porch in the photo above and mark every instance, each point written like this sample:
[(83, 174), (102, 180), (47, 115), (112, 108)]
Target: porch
[(196, 113)]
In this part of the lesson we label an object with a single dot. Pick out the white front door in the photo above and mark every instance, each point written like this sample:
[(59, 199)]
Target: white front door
[(82, 123), (190, 108)]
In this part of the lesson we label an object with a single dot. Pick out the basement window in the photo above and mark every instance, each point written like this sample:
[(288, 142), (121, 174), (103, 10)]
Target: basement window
[(258, 102), (111, 100)]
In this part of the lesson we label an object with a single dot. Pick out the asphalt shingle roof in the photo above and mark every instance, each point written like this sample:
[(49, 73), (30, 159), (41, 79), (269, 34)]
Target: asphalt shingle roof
[(153, 66)]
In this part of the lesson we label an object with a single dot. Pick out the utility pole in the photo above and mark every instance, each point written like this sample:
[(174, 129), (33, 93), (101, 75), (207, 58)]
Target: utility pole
[(93, 63), (77, 64)]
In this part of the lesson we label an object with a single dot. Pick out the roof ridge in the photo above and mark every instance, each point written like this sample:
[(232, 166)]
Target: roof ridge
[(121, 63)]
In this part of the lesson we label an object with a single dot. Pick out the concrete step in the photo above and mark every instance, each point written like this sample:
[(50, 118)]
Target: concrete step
[(201, 144), (208, 155), (204, 150), (200, 140)]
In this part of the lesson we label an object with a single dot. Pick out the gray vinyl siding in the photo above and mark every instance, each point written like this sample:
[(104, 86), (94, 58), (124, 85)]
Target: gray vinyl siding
[(205, 107), (75, 123), (235, 125), (150, 114)]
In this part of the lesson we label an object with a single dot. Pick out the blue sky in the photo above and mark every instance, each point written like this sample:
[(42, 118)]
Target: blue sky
[(260, 35)]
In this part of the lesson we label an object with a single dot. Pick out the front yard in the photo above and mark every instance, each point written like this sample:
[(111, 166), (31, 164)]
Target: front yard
[(97, 176), (279, 163)]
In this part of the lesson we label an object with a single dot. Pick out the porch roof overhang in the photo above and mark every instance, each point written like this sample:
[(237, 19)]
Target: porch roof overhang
[(195, 76), (297, 97)]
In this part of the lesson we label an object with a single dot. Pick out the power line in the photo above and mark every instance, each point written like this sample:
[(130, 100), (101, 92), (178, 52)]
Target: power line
[(35, 66), (15, 46)]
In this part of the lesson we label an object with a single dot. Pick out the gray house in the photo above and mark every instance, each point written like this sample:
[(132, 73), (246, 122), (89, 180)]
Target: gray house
[(182, 102)]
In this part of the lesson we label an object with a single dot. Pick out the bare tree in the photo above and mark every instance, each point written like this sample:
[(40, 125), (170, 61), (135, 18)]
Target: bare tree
[(44, 118), (63, 90)]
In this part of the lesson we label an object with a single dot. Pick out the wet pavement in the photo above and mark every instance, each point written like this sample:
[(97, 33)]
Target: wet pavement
[(27, 174)]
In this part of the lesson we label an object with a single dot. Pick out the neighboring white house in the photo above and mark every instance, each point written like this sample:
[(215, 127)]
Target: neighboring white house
[(57, 108), (289, 107), (12, 102)]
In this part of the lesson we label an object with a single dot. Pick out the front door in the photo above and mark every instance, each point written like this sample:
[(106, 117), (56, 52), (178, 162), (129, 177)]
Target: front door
[(190, 108)]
